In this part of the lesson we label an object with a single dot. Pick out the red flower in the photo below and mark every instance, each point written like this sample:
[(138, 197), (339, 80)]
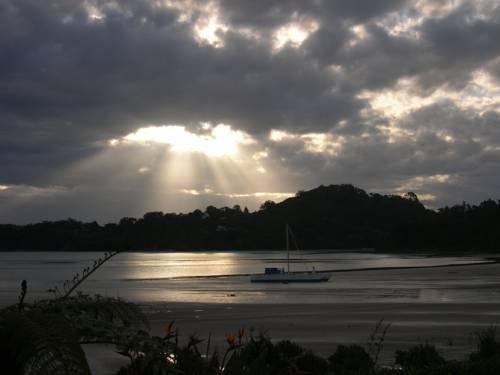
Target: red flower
[(168, 327), (230, 339)]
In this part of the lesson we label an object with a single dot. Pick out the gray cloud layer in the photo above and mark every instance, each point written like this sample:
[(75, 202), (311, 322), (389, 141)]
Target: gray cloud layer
[(75, 74)]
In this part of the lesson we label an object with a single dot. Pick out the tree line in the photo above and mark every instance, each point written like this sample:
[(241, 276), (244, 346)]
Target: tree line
[(327, 217)]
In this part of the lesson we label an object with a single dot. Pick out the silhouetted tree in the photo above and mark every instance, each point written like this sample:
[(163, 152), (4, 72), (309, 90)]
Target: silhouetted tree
[(335, 216)]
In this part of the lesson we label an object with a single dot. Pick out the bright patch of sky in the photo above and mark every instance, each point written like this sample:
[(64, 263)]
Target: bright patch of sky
[(419, 184), (219, 140), (28, 191), (294, 33), (481, 94), (259, 194), (359, 35), (326, 143)]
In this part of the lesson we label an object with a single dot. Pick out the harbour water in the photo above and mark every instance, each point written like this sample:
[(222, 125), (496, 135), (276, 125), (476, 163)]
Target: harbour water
[(224, 277)]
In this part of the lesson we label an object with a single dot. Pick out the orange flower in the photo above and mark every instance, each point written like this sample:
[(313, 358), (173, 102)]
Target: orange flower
[(230, 339), (168, 327)]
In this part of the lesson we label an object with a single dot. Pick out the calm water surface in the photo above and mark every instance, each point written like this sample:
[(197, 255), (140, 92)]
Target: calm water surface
[(189, 277)]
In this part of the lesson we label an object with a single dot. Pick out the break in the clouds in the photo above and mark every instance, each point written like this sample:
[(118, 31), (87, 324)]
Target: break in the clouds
[(114, 108)]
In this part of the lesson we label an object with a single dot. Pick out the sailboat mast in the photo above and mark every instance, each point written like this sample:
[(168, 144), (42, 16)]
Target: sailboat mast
[(287, 249)]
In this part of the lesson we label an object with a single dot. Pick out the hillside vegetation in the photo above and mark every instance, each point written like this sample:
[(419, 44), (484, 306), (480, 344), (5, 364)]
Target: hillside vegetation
[(328, 217)]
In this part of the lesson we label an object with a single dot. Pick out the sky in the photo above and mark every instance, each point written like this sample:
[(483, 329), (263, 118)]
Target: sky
[(115, 108)]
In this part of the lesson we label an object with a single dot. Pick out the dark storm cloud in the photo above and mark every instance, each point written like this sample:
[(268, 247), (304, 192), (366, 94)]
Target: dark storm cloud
[(139, 65), (114, 74), (262, 13), (494, 69), (460, 124), (70, 83), (445, 50), (469, 159), (461, 42), (68, 80)]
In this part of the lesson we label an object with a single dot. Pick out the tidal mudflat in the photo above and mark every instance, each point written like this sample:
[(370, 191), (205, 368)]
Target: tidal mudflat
[(425, 298), (443, 306)]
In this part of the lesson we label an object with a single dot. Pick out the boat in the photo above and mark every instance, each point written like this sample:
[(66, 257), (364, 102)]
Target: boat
[(280, 275)]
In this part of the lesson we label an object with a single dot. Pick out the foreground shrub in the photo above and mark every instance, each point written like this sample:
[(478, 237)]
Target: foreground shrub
[(39, 343), (309, 363), (489, 366), (254, 357), (285, 353), (350, 359), (288, 350), (419, 356), (260, 356), (488, 345), (468, 367)]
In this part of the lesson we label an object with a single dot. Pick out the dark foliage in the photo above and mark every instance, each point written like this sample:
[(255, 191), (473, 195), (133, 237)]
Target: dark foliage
[(45, 337), (469, 367), (488, 346), (352, 359), (419, 356), (36, 342), (335, 216), (309, 363), (259, 356)]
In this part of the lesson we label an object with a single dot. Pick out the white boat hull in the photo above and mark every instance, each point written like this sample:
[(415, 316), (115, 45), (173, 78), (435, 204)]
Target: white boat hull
[(279, 275)]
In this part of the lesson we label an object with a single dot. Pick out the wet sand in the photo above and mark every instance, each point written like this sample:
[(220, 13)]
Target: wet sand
[(451, 327), (436, 307), (449, 323)]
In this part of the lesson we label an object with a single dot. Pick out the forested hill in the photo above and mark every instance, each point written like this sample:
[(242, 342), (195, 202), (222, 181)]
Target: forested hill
[(328, 217)]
